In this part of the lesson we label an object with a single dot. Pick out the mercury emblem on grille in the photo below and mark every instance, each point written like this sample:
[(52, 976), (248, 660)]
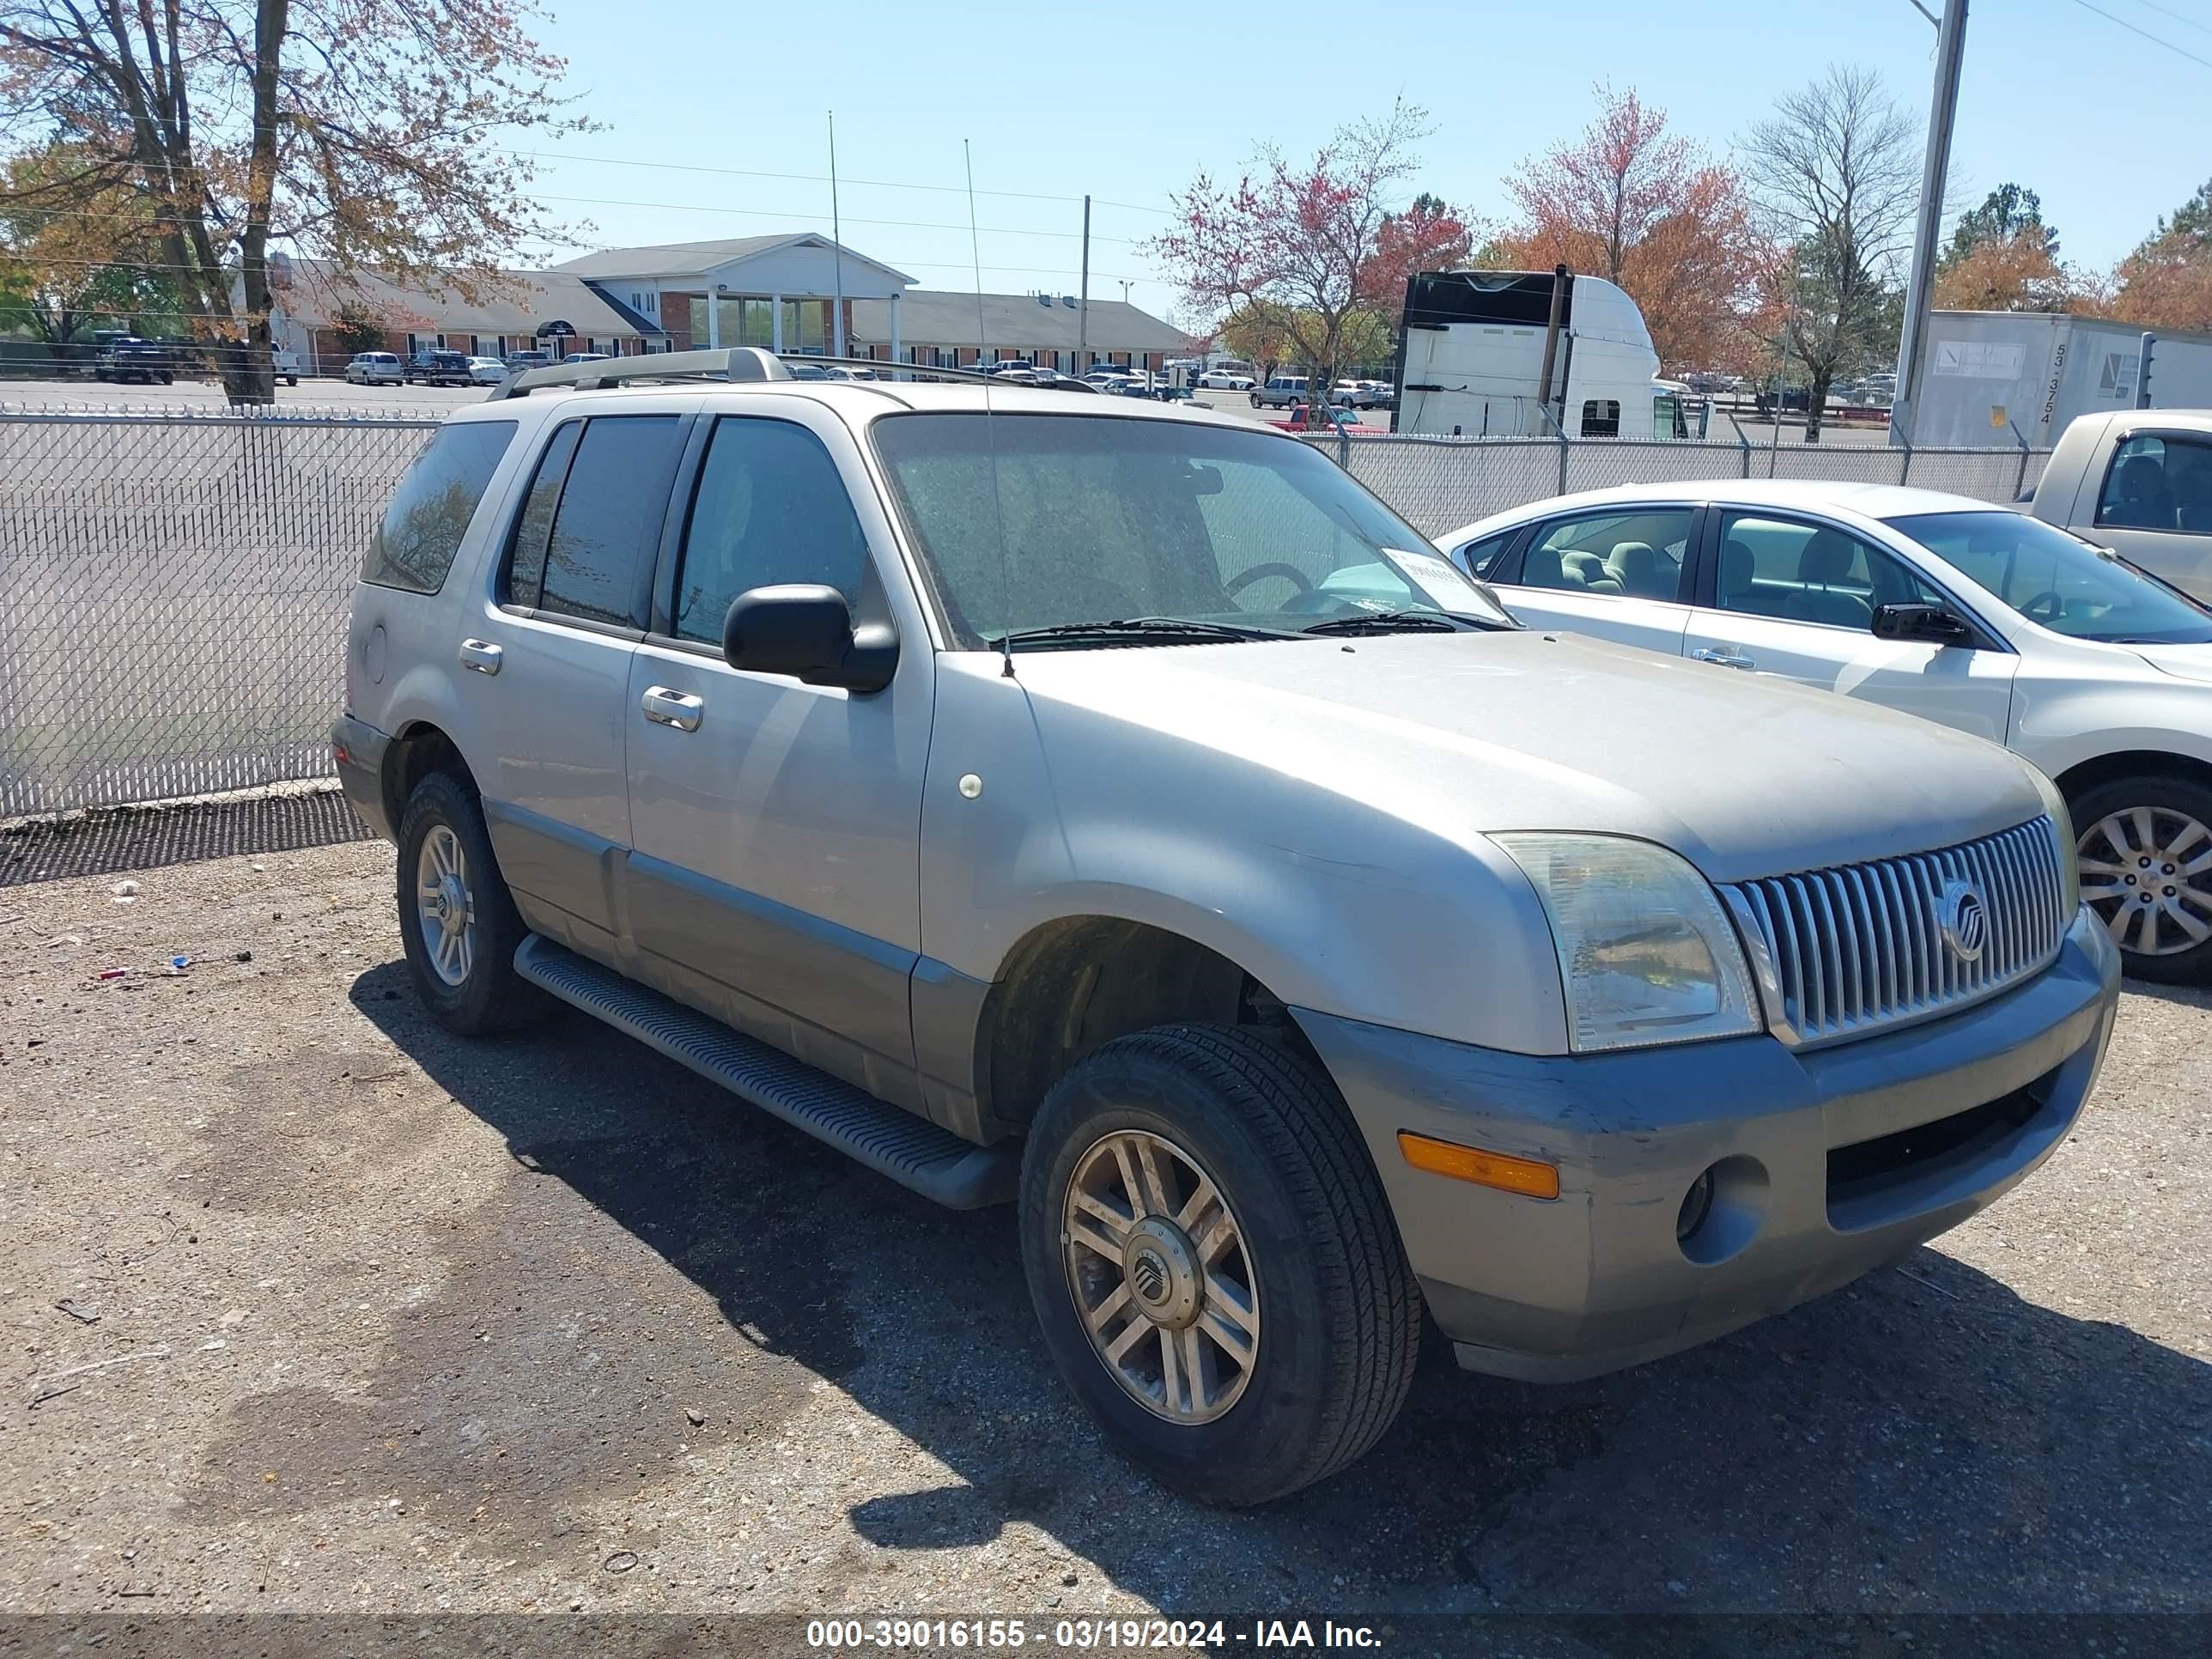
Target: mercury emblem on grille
[(1963, 920)]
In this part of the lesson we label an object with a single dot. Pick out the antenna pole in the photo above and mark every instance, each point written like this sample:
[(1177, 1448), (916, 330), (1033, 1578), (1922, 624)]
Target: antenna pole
[(837, 248), (1083, 305), (998, 511)]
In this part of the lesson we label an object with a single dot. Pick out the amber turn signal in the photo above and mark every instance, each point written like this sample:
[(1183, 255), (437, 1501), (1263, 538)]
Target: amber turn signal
[(1509, 1175)]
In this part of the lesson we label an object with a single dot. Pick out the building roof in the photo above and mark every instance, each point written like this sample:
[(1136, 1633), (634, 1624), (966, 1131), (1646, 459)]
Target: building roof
[(932, 317), (520, 302), (690, 258)]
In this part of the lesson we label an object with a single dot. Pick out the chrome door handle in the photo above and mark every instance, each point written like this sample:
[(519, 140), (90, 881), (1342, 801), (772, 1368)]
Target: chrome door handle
[(482, 655), (1725, 657), (666, 707)]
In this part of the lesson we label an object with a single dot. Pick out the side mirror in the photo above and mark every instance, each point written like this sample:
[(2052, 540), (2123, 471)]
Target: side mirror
[(805, 630), (1930, 624)]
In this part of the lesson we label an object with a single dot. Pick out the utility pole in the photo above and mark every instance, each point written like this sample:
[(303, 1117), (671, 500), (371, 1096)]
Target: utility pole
[(1082, 304), (836, 340), (1950, 52)]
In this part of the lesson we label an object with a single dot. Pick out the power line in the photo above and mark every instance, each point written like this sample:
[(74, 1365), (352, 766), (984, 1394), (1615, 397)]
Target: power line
[(673, 206), (2180, 51), (919, 264), (822, 178), (2178, 17)]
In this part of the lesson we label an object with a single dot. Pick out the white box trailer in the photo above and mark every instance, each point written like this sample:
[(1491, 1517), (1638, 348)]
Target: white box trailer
[(1989, 373), (1471, 361)]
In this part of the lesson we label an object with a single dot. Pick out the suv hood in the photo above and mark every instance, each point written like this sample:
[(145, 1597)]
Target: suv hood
[(1743, 775)]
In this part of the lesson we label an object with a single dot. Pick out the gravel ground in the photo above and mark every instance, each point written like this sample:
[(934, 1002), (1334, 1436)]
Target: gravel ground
[(313, 1308)]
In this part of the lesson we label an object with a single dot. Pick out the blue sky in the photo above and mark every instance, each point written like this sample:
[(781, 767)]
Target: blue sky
[(1126, 102)]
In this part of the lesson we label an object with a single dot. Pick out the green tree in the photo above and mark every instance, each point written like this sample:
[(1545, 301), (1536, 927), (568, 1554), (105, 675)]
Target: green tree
[(2009, 213)]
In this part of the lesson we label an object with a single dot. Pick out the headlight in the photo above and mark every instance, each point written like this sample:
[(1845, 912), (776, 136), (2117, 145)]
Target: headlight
[(1646, 953), (2061, 827)]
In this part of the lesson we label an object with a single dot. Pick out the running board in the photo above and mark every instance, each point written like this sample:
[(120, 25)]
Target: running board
[(910, 1150)]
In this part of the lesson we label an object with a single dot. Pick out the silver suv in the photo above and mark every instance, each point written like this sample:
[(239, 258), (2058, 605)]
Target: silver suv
[(1113, 809)]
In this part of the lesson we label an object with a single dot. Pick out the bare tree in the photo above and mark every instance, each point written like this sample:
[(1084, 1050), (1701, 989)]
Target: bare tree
[(358, 130), (1836, 170)]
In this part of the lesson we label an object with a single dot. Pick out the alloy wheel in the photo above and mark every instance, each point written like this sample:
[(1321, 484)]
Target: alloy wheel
[(2147, 871), (1160, 1276), (447, 908)]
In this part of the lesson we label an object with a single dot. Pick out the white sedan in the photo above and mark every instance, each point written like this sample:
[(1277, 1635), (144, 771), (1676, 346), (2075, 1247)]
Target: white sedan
[(1225, 379), (1974, 616)]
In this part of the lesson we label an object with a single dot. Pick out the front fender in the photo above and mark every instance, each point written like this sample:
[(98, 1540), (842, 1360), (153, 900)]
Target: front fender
[(1332, 904)]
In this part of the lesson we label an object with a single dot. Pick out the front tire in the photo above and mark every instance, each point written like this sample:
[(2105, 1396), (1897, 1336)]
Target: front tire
[(457, 921), (1256, 400), (1213, 1263), (2145, 849)]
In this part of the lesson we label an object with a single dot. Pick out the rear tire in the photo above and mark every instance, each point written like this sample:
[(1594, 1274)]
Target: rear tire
[(1294, 1257), (2137, 838), (457, 919)]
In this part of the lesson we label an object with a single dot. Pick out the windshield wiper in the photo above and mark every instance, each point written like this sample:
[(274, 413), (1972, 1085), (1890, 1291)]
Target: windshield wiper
[(1394, 622), (1160, 628)]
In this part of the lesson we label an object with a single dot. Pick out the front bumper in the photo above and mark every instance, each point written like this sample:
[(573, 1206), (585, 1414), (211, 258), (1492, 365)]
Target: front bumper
[(358, 748), (1928, 1124)]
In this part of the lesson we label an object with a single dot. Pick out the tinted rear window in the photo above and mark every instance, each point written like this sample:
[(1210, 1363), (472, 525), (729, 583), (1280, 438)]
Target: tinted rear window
[(429, 513), (608, 524)]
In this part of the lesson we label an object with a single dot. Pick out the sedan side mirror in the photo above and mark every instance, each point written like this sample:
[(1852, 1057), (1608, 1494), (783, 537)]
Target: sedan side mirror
[(805, 630), (1930, 624)]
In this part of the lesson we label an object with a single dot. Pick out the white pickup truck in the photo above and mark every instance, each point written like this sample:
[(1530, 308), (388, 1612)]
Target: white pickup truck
[(2138, 481)]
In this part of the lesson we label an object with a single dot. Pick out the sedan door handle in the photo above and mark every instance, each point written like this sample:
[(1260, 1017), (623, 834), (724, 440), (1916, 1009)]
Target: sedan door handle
[(482, 655), (665, 706), (1723, 656)]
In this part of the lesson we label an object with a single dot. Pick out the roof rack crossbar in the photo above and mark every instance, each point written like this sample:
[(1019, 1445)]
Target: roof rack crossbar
[(723, 363), (739, 363)]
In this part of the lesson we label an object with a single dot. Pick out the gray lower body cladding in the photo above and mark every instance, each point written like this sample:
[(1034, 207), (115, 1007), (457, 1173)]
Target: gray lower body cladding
[(1827, 1163)]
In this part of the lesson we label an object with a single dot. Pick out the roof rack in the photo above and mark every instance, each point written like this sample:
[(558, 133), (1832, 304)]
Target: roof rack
[(725, 363), (741, 364)]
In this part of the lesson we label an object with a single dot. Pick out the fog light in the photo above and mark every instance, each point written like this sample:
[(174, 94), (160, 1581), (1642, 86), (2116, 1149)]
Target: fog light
[(1697, 1205)]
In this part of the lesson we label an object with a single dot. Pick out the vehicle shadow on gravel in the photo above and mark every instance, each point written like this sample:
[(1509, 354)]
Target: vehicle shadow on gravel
[(1925, 1440)]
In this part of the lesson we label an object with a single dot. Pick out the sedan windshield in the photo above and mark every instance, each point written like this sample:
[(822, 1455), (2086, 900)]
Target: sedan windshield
[(1030, 521), (2059, 580)]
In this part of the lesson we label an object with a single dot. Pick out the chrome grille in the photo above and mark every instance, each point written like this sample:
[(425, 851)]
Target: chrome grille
[(1845, 951)]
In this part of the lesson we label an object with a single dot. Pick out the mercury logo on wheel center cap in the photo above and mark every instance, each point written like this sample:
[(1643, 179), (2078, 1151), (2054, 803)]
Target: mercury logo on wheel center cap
[(1162, 1270)]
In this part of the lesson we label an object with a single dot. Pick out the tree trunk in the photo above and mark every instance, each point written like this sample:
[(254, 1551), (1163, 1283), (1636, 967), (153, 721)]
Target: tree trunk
[(249, 374), (1816, 398)]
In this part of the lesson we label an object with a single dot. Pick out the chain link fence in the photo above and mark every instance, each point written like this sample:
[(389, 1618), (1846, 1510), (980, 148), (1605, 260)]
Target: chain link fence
[(173, 590), (1440, 483), (174, 584)]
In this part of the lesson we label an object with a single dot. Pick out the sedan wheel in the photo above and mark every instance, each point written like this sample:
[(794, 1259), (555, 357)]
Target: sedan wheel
[(2147, 871)]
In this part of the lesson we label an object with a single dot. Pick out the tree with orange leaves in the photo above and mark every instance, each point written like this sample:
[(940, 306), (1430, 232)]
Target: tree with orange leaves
[(1649, 211), (361, 131)]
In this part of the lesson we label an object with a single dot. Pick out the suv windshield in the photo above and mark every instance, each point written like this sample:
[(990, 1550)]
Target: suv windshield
[(2059, 581), (1029, 521)]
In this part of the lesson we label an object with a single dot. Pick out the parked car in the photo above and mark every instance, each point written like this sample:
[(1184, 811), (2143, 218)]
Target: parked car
[(1101, 372), (2138, 481), (125, 357), (1355, 394), (376, 368), (487, 371), (1439, 962), (520, 361), (286, 365), (1280, 392), (1222, 379), (1973, 615), (439, 368), (587, 357)]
